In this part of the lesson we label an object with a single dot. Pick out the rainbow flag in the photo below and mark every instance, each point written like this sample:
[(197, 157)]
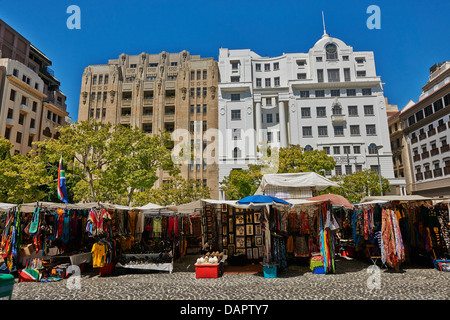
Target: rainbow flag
[(62, 192)]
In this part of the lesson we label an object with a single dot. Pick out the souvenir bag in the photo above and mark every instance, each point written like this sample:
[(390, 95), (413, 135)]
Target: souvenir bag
[(34, 225), (29, 274)]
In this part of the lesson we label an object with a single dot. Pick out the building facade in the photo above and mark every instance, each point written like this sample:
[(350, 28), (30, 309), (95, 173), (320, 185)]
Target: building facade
[(31, 105), (426, 130), (175, 92), (329, 98)]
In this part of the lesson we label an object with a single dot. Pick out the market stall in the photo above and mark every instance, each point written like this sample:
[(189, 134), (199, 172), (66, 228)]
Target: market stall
[(403, 229)]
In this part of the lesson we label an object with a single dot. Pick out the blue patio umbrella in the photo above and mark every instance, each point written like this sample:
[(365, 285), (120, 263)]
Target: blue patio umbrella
[(262, 199)]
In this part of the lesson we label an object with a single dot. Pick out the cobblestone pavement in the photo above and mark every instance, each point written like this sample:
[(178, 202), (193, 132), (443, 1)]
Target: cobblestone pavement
[(298, 283)]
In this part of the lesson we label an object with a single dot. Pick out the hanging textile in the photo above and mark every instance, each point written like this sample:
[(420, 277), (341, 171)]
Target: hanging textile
[(392, 239)]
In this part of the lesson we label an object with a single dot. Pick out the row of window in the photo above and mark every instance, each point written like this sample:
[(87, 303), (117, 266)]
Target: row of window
[(25, 79), (429, 110), (333, 93), (321, 112), (433, 170), (322, 131)]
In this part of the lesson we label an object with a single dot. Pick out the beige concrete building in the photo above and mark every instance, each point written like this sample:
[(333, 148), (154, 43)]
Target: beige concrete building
[(165, 91), (426, 128), (400, 154), (31, 105)]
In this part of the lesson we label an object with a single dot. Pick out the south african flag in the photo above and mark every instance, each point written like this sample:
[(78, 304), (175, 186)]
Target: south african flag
[(62, 192)]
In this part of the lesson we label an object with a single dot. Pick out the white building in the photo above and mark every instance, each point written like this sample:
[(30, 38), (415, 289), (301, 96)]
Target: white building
[(329, 98)]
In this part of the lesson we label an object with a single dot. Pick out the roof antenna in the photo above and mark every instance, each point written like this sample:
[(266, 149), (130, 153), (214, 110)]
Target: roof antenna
[(324, 31)]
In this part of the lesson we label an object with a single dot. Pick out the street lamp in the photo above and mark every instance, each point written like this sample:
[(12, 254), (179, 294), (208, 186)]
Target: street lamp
[(373, 145)]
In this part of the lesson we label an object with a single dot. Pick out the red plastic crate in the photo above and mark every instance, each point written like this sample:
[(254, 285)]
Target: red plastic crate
[(207, 270), (107, 270)]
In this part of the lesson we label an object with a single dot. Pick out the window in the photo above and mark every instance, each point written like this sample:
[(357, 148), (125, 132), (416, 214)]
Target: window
[(15, 72), (336, 150), (106, 79), (346, 74), (438, 105), (267, 82), (331, 51), (235, 97), (301, 76), (419, 115), (21, 118), (319, 59), (351, 92), (348, 169), (199, 92), (346, 149), (234, 65), (19, 137), (151, 78), (268, 101), (375, 168), (192, 75), (148, 94), (333, 75), (327, 150), (174, 64), (335, 93), (321, 112), (338, 170), (10, 113), (360, 74), (276, 81), (269, 136), (267, 67), (133, 65), (147, 111), (236, 134), (338, 130), (428, 110), (147, 128), (301, 63), (269, 118), (126, 112), (152, 65), (336, 110), (353, 111), (236, 152), (360, 60), (319, 75), (304, 94), (204, 125), (354, 130), (100, 79), (235, 114), (30, 140), (370, 129), (356, 149), (12, 95), (7, 133), (277, 117), (323, 131), (32, 123), (235, 79), (447, 100), (258, 67), (126, 96), (258, 82), (94, 80), (344, 58), (276, 66), (171, 77), (198, 108), (368, 111), (205, 108), (320, 93), (306, 112), (307, 131), (358, 168), (367, 92)]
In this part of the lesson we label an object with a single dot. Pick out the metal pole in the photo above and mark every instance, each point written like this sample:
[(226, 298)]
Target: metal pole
[(379, 171)]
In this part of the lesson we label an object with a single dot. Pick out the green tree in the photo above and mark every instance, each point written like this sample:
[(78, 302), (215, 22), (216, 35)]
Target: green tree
[(108, 162), (358, 185), (174, 191), (21, 176), (242, 183)]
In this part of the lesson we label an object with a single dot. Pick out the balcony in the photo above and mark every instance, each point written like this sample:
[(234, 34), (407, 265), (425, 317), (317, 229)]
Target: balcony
[(414, 140), (434, 151), (428, 174), (432, 132), (437, 172), (24, 108), (419, 176), (416, 157), (425, 155), (446, 170), (422, 136), (32, 131), (337, 118), (442, 127), (445, 148)]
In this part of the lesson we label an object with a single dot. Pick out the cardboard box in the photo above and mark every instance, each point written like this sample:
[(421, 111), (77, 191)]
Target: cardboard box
[(26, 250)]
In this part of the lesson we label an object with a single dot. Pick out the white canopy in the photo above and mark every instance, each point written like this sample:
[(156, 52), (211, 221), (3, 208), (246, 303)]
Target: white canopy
[(305, 180), (395, 198), (188, 208)]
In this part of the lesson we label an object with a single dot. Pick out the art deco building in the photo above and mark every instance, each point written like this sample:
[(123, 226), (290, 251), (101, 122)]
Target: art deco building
[(329, 98), (426, 128), (31, 105), (175, 92)]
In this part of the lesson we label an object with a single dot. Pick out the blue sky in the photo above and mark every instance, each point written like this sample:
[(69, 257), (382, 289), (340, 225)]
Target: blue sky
[(413, 36)]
